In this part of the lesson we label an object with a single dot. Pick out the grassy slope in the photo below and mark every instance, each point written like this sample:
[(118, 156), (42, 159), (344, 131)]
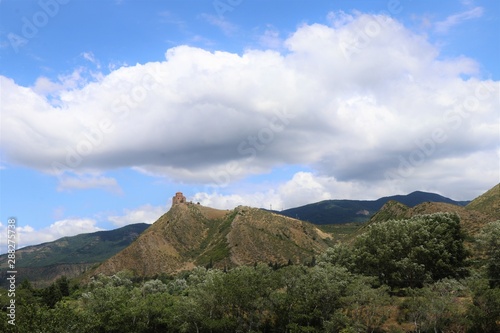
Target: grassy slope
[(488, 203)]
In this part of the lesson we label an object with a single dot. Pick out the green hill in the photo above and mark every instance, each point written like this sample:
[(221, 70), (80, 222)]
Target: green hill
[(488, 203), (70, 256), (478, 213)]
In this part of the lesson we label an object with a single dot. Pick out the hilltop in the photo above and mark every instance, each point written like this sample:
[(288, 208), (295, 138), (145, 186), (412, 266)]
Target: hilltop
[(190, 235)]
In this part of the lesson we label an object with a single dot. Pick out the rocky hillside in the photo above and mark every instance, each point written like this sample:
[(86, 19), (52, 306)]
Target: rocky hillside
[(190, 235)]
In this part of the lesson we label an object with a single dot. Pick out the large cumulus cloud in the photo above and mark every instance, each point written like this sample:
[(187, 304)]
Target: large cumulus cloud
[(362, 100)]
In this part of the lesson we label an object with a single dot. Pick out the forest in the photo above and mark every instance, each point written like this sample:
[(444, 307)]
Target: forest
[(423, 274)]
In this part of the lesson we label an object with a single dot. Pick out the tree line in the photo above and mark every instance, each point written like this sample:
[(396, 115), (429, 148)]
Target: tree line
[(415, 275)]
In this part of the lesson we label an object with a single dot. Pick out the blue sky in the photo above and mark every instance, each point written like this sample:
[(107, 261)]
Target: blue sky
[(110, 107)]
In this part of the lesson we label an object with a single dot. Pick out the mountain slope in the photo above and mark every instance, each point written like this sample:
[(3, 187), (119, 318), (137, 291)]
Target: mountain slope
[(473, 217), (487, 203), (471, 221), (392, 210), (344, 211), (71, 256), (191, 235)]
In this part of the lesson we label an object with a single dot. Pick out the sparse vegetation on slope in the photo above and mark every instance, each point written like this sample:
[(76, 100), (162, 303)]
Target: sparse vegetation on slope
[(487, 203), (471, 221), (392, 210), (193, 235)]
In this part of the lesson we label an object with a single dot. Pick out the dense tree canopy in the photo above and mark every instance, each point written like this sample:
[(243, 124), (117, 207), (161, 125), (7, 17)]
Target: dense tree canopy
[(407, 253)]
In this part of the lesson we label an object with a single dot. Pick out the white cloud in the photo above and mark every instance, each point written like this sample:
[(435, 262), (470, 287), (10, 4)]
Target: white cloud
[(27, 235), (143, 214), (90, 57), (65, 82), (456, 19), (339, 18), (230, 201), (303, 188), (67, 183), (347, 101)]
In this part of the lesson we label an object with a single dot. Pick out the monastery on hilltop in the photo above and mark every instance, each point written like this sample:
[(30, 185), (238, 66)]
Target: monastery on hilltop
[(178, 198)]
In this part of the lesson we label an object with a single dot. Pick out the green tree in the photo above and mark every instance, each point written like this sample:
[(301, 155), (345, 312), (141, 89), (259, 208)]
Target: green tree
[(307, 297), (408, 253), (366, 308), (63, 284), (488, 244), (434, 308), (340, 255), (484, 312), (52, 295), (228, 302), (113, 305)]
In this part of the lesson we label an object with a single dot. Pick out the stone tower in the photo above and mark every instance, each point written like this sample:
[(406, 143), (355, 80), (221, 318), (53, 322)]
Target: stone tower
[(178, 198)]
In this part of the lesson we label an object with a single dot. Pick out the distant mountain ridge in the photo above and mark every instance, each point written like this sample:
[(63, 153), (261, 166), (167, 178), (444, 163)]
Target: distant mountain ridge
[(70, 256), (345, 211)]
